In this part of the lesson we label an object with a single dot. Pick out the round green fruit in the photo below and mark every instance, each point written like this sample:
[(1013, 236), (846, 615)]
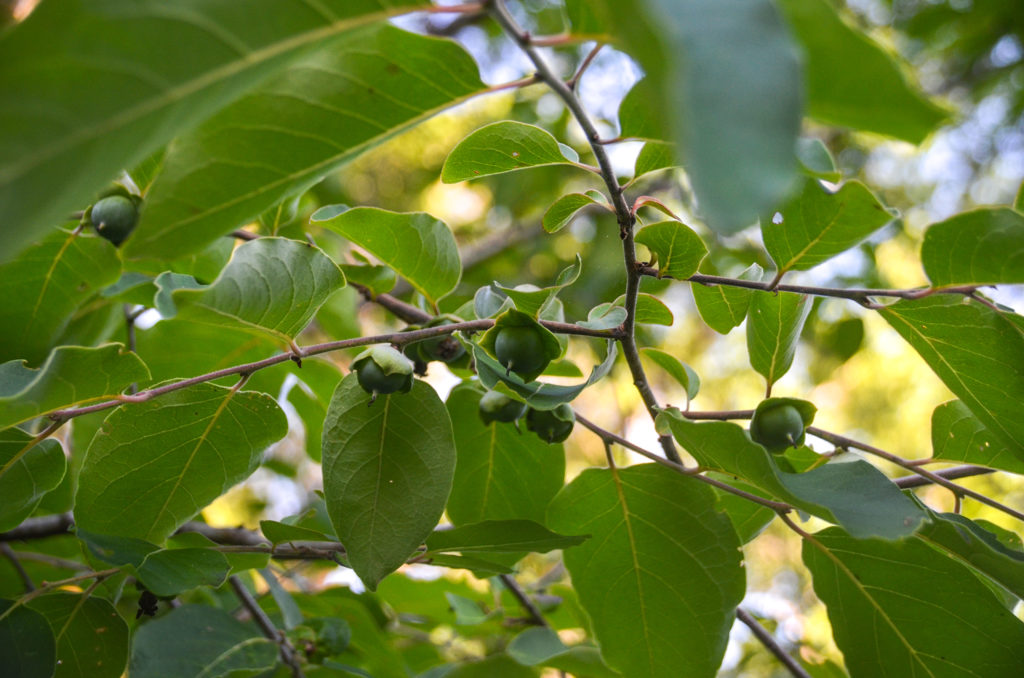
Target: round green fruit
[(551, 426), (496, 406), (114, 218), (373, 379), (520, 348), (777, 428), (444, 347)]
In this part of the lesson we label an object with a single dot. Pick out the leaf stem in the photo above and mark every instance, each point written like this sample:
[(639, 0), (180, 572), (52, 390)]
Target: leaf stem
[(761, 633), (288, 655)]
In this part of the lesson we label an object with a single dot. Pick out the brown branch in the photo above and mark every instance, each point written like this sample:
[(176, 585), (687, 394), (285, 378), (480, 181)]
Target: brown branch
[(534, 615), (907, 482), (288, 655), (39, 528), (13, 557), (766, 639)]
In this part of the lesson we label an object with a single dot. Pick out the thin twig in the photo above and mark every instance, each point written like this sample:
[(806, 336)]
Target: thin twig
[(907, 482), (288, 655), (761, 633), (39, 528), (574, 81), (13, 557), (534, 615), (52, 561)]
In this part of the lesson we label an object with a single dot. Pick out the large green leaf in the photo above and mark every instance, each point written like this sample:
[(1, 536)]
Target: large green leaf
[(27, 646), (417, 246), (661, 576), (45, 285), (676, 248), (724, 77), (92, 638), (271, 285), (168, 572), (196, 641), (309, 119), (983, 246), (27, 472), (503, 147), (388, 469), (500, 536), (978, 354), (957, 435), (501, 474), (817, 225), (71, 375), (901, 609), (724, 307), (154, 465), (774, 322), (92, 88), (853, 494), (854, 82)]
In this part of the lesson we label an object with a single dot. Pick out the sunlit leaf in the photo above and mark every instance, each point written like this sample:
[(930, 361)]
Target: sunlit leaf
[(503, 147), (654, 156), (677, 249), (774, 322), (973, 248), (565, 208), (724, 307), (957, 435), (678, 370)]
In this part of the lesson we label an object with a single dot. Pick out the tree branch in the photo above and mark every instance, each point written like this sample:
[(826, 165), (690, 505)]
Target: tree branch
[(13, 557), (534, 615), (288, 655), (761, 633)]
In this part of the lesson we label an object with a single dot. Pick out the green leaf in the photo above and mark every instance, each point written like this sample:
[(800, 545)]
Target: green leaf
[(417, 246), (724, 77), (92, 638), (154, 465), (535, 646), (27, 645), (305, 121), (467, 612), (980, 247), (724, 307), (532, 300), (678, 370), (537, 395), (195, 641), (45, 285), (71, 375), (478, 566), (749, 518), (271, 285), (816, 159), (503, 147), (168, 572), (978, 354), (853, 494), (678, 251), (654, 156), (495, 665), (638, 116), (28, 471), (290, 611), (817, 225), (319, 378), (501, 473), (377, 279), (604, 317), (89, 89), (500, 536), (774, 322), (650, 310), (852, 81), (957, 435), (565, 208), (279, 533), (388, 470), (912, 599), (640, 578)]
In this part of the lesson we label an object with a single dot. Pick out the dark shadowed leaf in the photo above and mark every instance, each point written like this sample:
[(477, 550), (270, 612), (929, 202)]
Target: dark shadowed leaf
[(27, 645), (28, 470), (92, 638), (168, 572), (983, 246)]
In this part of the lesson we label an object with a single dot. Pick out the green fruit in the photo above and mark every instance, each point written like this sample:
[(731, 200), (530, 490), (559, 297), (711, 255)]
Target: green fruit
[(382, 370), (114, 218), (496, 406), (445, 347), (778, 428), (551, 426), (520, 348)]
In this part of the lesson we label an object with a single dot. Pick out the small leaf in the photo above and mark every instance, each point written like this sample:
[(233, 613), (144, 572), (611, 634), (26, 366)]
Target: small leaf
[(467, 612), (984, 246), (636, 577), (388, 469), (774, 322), (28, 470), (678, 249), (818, 225), (565, 208), (816, 159), (912, 597), (92, 638), (27, 645), (487, 303), (279, 533), (532, 301), (749, 518), (604, 317), (500, 536), (71, 375), (650, 310), (536, 646), (724, 307), (678, 370), (417, 246), (377, 279), (168, 572), (957, 435), (502, 147), (153, 465), (654, 156)]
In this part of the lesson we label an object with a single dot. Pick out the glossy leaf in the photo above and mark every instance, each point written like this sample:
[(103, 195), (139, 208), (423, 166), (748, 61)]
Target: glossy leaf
[(650, 310), (44, 285), (896, 606), (973, 248), (71, 376), (565, 208), (154, 465), (503, 147), (417, 246), (978, 354), (724, 307), (501, 536), (27, 645), (604, 317), (278, 532), (502, 473), (661, 594), (678, 251), (532, 300), (105, 68), (299, 125), (388, 470), (817, 225), (852, 81), (168, 572), (195, 641), (654, 156), (853, 494), (957, 435), (678, 370), (774, 322), (271, 285), (27, 472), (92, 638)]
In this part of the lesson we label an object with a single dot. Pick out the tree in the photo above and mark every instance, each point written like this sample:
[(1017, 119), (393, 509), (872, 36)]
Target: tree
[(248, 240)]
